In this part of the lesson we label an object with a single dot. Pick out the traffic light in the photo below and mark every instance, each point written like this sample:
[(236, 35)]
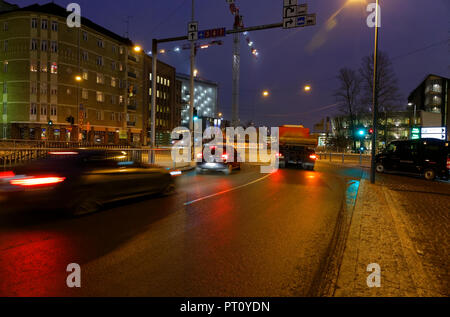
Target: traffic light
[(71, 120), (361, 132), (195, 115), (370, 131)]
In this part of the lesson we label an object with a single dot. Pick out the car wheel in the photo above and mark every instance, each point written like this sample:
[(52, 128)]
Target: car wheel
[(430, 174), (169, 190), (228, 170), (380, 168), (85, 203)]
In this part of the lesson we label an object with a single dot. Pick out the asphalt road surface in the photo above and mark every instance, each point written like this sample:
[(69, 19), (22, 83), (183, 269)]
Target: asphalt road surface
[(247, 234)]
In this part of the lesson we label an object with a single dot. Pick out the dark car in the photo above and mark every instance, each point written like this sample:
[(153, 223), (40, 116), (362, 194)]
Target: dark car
[(301, 156), (223, 164), (80, 181), (427, 157)]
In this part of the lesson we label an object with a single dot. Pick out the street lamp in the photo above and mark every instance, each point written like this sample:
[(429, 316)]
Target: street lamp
[(78, 78), (307, 88), (195, 72), (137, 48), (265, 93), (375, 97)]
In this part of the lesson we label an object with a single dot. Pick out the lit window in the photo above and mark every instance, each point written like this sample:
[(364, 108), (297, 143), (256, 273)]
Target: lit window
[(54, 68), (100, 78), (113, 82), (33, 67), (85, 74), (100, 96), (85, 94)]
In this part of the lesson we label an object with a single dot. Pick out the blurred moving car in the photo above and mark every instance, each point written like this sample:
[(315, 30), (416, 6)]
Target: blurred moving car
[(225, 164), (427, 157), (80, 181)]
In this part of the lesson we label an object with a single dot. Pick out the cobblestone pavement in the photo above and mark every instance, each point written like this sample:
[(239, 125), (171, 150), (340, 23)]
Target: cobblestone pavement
[(426, 211), (401, 223)]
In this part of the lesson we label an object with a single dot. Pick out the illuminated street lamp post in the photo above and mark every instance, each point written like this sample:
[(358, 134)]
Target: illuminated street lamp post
[(307, 88), (375, 97)]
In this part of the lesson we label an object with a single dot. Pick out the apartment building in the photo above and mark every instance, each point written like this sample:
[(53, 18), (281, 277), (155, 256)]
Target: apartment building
[(62, 83)]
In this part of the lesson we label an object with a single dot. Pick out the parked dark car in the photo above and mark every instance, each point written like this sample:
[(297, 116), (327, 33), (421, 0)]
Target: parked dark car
[(427, 157), (223, 164), (80, 181), (297, 155)]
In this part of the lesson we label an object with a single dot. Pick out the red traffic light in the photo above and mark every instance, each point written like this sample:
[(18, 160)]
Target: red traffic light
[(370, 131)]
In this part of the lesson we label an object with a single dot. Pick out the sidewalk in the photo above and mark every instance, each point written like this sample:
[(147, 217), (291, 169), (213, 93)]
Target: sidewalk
[(382, 232)]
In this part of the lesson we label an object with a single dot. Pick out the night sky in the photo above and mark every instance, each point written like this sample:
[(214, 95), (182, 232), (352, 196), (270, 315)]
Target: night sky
[(413, 33)]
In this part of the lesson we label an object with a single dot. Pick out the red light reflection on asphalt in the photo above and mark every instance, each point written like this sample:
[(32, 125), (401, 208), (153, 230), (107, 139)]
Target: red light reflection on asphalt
[(34, 264)]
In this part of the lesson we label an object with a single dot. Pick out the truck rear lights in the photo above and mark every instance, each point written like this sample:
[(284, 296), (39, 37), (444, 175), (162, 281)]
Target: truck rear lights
[(313, 157)]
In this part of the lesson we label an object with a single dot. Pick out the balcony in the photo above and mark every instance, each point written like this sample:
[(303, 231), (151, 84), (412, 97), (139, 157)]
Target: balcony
[(132, 107), (131, 74), (132, 58), (131, 124)]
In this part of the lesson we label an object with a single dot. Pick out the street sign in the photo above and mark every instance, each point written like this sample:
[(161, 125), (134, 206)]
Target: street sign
[(289, 11), (302, 9), (415, 133), (289, 23), (433, 133), (301, 20), (193, 31), (219, 32), (311, 19), (290, 3), (295, 15)]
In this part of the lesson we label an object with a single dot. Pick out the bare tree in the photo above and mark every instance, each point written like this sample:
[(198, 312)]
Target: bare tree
[(388, 92), (348, 95)]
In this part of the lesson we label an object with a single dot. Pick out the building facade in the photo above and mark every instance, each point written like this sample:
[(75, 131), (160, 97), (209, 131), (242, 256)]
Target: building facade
[(391, 126), (430, 103), (205, 98), (78, 84), (168, 103)]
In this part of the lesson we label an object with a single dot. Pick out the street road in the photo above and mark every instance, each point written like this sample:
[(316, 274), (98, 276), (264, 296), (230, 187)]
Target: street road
[(247, 234)]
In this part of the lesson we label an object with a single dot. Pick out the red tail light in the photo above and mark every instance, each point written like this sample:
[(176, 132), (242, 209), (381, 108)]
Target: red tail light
[(279, 155), (448, 163), (313, 157), (37, 181), (8, 174)]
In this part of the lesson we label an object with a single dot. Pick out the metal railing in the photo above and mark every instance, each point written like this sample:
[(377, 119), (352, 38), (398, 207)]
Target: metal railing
[(346, 158), (10, 143), (10, 157)]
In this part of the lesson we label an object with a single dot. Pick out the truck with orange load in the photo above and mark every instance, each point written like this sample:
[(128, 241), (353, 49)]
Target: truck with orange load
[(296, 147)]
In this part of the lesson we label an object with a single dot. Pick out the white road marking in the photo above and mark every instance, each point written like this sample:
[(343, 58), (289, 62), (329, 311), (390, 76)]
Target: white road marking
[(226, 191)]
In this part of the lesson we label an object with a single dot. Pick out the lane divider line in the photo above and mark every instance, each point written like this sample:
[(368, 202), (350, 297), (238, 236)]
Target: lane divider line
[(226, 191)]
